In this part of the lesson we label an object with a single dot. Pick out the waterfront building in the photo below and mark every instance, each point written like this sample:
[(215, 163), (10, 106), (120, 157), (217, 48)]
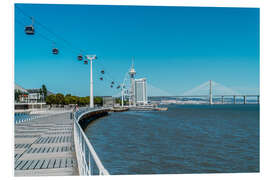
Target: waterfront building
[(137, 92), (108, 101), (35, 96), (29, 95), (140, 91), (22, 94)]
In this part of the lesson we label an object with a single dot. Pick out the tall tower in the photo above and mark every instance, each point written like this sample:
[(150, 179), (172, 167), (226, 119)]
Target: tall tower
[(210, 93), (132, 73)]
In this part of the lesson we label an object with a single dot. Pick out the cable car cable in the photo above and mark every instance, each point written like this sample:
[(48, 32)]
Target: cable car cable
[(56, 35), (42, 35), (50, 31)]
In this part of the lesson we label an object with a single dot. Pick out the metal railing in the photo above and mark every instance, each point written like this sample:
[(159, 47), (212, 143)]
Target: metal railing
[(87, 159), (21, 117)]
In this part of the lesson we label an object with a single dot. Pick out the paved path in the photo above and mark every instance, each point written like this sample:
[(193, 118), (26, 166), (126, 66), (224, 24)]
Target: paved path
[(45, 147)]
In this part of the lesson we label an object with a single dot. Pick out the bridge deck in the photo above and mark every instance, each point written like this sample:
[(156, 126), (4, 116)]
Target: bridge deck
[(45, 147)]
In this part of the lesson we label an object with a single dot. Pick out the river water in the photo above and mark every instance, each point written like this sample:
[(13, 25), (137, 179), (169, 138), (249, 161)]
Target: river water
[(184, 139)]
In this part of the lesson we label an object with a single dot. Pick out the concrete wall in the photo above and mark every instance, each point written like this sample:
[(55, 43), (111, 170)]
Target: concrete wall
[(86, 119)]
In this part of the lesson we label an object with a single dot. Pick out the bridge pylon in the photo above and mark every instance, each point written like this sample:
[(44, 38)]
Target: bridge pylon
[(210, 93)]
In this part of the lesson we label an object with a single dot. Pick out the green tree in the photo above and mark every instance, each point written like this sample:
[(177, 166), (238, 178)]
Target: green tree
[(60, 98), (73, 100), (98, 101), (44, 91), (82, 101), (17, 94), (67, 99), (40, 92), (51, 99), (126, 102), (87, 100), (117, 101)]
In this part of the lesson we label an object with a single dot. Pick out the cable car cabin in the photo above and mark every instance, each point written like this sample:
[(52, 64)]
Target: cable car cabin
[(102, 72), (112, 82), (101, 78), (29, 30), (55, 51), (85, 62), (80, 58)]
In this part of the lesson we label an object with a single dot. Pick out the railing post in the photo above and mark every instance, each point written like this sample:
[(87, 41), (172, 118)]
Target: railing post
[(84, 158), (89, 164), (80, 139)]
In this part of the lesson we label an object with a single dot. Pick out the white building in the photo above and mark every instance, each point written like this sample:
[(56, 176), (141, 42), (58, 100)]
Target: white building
[(137, 92), (140, 91), (108, 101), (29, 95), (34, 97)]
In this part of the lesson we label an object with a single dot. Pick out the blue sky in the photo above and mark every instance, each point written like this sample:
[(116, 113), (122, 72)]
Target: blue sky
[(175, 48)]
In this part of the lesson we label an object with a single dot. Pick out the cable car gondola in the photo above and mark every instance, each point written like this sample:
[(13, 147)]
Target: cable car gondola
[(85, 62), (55, 51), (112, 82), (29, 30), (102, 71), (101, 78), (80, 57)]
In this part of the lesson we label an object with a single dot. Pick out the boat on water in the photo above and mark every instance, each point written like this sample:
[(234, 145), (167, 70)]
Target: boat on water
[(162, 109), (120, 109), (150, 107)]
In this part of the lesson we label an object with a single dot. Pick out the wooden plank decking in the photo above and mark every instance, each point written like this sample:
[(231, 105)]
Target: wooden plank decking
[(44, 147)]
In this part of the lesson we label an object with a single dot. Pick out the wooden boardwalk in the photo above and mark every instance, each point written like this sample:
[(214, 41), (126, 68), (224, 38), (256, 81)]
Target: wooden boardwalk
[(44, 147)]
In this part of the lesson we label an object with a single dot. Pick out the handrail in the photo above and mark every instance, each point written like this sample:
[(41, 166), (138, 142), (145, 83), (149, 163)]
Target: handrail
[(36, 116), (84, 149)]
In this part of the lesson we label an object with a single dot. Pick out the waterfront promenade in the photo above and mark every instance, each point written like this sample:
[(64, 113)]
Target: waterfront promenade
[(45, 147)]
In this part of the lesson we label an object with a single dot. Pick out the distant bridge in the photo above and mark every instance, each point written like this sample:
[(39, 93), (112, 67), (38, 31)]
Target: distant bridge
[(209, 85)]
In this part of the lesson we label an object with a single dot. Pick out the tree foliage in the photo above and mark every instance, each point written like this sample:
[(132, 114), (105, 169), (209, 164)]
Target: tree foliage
[(60, 99), (117, 101), (51, 99), (98, 101), (44, 90)]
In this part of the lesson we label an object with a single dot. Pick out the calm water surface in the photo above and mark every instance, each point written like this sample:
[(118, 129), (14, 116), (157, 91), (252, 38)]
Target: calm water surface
[(184, 139)]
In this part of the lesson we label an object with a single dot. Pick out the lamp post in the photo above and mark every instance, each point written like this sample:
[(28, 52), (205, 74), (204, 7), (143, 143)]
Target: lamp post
[(91, 58)]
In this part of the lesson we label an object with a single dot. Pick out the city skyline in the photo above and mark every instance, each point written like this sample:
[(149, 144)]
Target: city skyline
[(175, 48)]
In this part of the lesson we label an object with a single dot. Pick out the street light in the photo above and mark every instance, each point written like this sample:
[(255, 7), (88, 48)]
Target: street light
[(91, 58)]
